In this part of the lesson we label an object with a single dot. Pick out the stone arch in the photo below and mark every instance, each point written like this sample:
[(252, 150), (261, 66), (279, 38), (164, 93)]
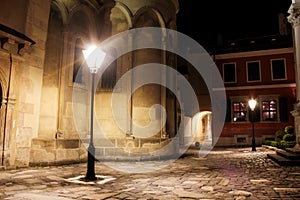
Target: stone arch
[(59, 6), (149, 17), (172, 24), (126, 11), (84, 14), (85, 42), (121, 18), (201, 127)]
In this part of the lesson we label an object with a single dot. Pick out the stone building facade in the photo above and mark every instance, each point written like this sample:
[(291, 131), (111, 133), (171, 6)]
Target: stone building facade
[(40, 68)]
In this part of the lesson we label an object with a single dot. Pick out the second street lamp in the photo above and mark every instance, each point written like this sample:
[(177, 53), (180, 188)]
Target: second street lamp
[(94, 57), (252, 104)]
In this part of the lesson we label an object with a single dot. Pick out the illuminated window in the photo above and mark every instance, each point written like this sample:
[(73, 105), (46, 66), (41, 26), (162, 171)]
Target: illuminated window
[(239, 111), (269, 110)]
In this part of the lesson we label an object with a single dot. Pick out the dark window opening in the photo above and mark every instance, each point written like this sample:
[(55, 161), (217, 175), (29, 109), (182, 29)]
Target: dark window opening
[(253, 71), (278, 69), (229, 73), (109, 77), (241, 140), (78, 62)]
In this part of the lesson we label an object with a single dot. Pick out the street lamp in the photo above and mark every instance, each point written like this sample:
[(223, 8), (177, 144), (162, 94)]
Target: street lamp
[(252, 104), (94, 57)]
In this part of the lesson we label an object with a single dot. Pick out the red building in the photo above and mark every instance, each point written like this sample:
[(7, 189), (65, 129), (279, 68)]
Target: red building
[(262, 69)]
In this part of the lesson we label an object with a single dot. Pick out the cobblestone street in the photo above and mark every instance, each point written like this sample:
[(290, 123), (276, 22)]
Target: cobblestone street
[(230, 173)]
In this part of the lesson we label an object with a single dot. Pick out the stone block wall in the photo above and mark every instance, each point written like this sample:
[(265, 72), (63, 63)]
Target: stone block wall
[(46, 152)]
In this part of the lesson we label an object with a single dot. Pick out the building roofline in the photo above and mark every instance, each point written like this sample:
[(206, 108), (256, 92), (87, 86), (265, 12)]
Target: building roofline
[(255, 53)]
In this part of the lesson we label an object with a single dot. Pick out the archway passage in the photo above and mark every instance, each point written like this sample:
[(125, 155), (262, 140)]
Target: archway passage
[(201, 128)]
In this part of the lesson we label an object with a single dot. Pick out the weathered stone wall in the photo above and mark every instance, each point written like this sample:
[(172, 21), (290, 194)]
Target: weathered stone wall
[(13, 14), (31, 72), (126, 15), (37, 81), (26, 25)]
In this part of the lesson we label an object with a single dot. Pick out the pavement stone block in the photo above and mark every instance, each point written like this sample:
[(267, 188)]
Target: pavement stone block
[(186, 194), (231, 173)]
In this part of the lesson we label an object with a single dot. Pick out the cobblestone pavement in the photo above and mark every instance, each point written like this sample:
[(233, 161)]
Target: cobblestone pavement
[(223, 174)]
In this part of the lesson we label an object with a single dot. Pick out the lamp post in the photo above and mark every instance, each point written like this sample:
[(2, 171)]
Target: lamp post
[(94, 57), (252, 104)]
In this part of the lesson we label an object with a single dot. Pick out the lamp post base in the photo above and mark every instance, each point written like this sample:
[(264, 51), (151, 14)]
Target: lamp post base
[(90, 174), (253, 145)]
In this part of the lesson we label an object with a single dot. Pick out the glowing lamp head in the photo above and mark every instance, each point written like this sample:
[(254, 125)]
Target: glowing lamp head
[(94, 57), (252, 104)]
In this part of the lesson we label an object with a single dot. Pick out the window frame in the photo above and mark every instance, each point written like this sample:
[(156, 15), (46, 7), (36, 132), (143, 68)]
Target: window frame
[(71, 58), (235, 74), (285, 70), (117, 63), (269, 110), (78, 63), (240, 110), (111, 73), (247, 70), (263, 98), (237, 99)]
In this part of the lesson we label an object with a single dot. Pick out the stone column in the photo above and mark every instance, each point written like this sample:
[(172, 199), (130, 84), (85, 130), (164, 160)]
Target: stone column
[(163, 89), (130, 86), (294, 19)]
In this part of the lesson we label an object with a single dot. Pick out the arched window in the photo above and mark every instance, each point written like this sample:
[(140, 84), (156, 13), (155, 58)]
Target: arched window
[(78, 62), (109, 77)]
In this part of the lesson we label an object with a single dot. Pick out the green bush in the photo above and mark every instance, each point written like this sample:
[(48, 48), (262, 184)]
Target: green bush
[(283, 138), (289, 137), (267, 142), (281, 144), (289, 129), (274, 143), (291, 144), (286, 144), (279, 135)]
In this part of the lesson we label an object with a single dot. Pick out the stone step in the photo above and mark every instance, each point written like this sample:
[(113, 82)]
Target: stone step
[(288, 154), (282, 160), (294, 151)]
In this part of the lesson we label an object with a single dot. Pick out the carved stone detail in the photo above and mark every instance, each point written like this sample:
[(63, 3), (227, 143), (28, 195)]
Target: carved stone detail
[(14, 42), (294, 17)]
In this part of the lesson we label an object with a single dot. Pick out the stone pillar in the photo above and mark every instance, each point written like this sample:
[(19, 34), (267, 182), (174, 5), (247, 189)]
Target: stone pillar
[(163, 89), (294, 19), (130, 60), (9, 156)]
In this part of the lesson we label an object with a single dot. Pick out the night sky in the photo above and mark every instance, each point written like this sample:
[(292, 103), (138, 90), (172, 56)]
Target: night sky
[(233, 19)]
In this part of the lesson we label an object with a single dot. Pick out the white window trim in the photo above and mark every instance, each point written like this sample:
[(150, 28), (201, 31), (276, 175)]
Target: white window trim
[(284, 69), (259, 65), (235, 75)]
